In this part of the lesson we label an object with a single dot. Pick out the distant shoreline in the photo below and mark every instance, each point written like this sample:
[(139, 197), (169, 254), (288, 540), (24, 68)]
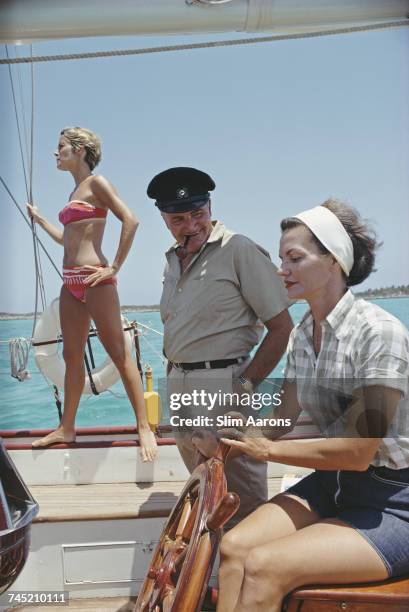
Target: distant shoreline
[(370, 297), (382, 297), (11, 316)]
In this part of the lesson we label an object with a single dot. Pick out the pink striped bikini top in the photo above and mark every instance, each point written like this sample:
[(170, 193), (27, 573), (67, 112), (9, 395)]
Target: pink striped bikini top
[(77, 210)]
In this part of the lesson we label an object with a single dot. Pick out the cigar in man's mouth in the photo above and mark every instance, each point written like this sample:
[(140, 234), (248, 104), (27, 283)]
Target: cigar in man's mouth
[(181, 250)]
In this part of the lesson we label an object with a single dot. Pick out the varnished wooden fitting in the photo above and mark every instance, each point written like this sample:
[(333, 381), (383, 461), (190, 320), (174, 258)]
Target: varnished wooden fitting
[(152, 573), (226, 508), (386, 596)]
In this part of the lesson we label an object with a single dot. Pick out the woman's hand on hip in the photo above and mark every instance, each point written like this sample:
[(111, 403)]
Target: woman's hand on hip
[(99, 274)]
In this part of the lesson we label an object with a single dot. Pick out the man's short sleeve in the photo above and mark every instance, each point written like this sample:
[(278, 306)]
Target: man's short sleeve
[(260, 285)]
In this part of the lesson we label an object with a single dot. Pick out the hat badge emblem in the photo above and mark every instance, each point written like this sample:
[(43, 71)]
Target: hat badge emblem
[(182, 193)]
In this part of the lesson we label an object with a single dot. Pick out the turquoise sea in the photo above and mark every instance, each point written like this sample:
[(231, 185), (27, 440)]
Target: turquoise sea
[(30, 404)]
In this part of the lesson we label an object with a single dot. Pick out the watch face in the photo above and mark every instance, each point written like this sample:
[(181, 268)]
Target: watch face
[(246, 384)]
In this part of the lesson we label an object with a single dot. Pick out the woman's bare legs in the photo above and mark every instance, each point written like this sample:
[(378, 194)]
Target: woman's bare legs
[(326, 552), (103, 305), (284, 557), (75, 322), (271, 521)]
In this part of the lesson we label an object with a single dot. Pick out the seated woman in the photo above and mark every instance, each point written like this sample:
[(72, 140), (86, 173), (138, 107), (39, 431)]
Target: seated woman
[(89, 281), (347, 365)]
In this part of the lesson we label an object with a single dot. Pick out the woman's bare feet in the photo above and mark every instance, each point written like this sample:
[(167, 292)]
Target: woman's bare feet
[(58, 436), (148, 444)]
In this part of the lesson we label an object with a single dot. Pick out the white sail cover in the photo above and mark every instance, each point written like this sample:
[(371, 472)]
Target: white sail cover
[(33, 20)]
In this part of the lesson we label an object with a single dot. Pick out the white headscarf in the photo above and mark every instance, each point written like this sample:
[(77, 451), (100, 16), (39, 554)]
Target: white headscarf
[(331, 233)]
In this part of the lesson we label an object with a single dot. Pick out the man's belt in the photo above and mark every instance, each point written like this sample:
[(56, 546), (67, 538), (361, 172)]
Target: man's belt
[(209, 365)]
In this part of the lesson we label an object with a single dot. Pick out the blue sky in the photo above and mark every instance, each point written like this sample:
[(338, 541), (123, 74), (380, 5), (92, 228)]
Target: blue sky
[(279, 126)]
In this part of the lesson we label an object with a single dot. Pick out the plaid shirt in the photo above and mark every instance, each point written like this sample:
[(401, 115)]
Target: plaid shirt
[(362, 345)]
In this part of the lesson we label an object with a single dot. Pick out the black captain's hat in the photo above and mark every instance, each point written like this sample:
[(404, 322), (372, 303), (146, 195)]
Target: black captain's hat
[(179, 190)]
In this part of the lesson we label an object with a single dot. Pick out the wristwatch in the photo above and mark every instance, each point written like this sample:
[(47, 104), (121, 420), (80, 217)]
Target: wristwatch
[(246, 384)]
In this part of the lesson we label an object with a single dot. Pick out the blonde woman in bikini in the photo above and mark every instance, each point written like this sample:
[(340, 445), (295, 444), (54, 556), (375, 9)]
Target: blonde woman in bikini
[(89, 281)]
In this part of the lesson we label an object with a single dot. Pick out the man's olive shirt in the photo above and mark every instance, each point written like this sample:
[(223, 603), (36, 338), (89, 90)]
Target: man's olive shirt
[(214, 309)]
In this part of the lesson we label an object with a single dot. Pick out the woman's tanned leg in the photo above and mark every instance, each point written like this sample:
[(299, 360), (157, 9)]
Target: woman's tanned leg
[(75, 322), (103, 305), (328, 552), (274, 520)]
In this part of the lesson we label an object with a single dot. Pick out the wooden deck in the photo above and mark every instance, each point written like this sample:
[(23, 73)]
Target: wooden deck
[(112, 501)]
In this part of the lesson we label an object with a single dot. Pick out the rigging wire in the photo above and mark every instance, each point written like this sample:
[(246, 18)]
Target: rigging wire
[(153, 349), (155, 331), (22, 108), (18, 126), (39, 271), (31, 129), (3, 182), (19, 348), (211, 45), (39, 290)]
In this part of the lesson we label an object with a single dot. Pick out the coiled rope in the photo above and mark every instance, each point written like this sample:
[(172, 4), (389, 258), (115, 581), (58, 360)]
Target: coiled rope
[(19, 349)]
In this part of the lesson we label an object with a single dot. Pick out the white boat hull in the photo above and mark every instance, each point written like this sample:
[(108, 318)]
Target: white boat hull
[(95, 461), (90, 558), (96, 540)]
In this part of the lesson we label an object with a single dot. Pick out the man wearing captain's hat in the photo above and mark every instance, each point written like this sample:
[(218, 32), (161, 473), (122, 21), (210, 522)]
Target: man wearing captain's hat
[(218, 286)]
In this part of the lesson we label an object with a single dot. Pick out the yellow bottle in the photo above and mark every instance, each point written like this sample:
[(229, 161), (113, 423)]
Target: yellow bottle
[(152, 402)]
